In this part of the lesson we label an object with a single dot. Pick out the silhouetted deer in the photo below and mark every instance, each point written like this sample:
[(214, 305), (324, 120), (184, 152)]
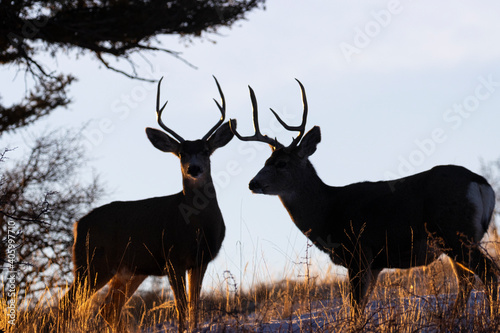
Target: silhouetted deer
[(369, 226), (122, 243)]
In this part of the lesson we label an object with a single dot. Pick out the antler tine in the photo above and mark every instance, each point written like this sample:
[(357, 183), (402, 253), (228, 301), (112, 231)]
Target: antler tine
[(221, 108), (258, 136), (159, 112), (301, 128)]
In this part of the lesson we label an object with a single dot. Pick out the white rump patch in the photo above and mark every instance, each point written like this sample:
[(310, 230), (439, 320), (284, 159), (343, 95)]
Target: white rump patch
[(482, 197), (489, 200)]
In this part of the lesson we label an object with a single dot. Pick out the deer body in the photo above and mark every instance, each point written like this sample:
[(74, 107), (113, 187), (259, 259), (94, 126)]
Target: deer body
[(150, 249), (369, 226), (123, 242), (388, 216)]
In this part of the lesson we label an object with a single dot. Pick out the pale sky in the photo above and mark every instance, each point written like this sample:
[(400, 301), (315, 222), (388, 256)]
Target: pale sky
[(397, 87)]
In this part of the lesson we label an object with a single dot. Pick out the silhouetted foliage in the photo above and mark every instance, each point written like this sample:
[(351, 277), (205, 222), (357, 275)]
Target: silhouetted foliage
[(118, 28), (41, 195)]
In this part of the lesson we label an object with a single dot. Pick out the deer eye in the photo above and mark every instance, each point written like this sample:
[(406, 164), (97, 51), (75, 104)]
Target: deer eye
[(280, 164)]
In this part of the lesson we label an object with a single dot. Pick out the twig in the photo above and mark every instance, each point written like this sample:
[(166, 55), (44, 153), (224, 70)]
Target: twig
[(108, 66), (24, 219)]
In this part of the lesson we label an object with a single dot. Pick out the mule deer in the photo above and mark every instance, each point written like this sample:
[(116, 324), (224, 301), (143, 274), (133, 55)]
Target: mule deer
[(369, 226), (122, 243)]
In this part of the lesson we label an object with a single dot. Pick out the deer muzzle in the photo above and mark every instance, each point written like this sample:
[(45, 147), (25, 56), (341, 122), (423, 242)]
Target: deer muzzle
[(194, 170), (255, 186)]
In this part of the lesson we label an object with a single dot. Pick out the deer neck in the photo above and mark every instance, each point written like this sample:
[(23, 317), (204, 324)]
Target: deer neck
[(199, 191), (306, 201)]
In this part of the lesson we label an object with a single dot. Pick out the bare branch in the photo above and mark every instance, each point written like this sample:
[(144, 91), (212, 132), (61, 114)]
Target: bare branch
[(114, 69)]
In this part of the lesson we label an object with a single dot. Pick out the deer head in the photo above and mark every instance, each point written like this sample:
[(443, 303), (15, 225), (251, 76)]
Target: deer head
[(194, 155), (287, 164)]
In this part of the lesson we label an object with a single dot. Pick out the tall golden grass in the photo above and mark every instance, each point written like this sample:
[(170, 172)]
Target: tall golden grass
[(419, 299)]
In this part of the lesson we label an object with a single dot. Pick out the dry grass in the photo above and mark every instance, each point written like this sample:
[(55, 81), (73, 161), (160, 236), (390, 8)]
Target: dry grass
[(403, 301)]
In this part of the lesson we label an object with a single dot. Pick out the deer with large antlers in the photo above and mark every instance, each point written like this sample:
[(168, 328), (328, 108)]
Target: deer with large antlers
[(369, 226), (122, 243)]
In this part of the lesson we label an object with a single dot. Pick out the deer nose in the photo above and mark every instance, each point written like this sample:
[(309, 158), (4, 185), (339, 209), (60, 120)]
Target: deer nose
[(194, 170), (255, 186)]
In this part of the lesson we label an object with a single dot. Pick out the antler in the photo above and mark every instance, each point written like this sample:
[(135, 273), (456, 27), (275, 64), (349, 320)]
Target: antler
[(258, 135), (301, 128), (222, 111), (158, 115)]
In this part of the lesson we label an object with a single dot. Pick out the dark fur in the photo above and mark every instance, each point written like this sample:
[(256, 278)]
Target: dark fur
[(123, 242), (369, 226)]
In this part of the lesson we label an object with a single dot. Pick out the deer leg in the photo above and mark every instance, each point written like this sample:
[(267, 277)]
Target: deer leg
[(465, 279), (355, 281), (177, 281), (121, 287), (195, 279), (487, 271), (362, 279), (472, 260), (84, 285), (370, 282), (362, 283)]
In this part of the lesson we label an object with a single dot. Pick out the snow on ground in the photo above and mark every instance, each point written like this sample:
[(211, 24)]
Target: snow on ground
[(328, 316)]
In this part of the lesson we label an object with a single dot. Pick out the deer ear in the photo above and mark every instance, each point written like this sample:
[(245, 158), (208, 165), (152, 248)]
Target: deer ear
[(221, 137), (309, 142), (162, 141)]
